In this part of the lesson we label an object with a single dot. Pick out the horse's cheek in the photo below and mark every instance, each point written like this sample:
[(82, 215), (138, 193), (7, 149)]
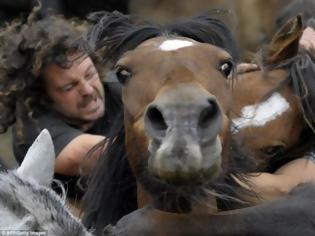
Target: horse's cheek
[(136, 142)]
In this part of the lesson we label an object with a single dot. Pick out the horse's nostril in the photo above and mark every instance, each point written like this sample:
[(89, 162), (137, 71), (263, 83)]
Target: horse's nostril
[(156, 118), (208, 114)]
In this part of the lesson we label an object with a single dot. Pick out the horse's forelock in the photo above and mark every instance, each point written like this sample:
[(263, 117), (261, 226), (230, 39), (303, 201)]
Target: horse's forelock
[(209, 30), (118, 33)]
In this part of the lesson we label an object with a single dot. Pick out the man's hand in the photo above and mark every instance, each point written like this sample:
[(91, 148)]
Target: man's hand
[(246, 67), (307, 40), (72, 158)]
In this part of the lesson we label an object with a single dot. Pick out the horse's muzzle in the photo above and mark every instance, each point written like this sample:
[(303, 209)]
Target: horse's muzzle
[(183, 126)]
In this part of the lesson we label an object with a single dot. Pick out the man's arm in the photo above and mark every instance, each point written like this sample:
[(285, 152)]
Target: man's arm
[(72, 157), (71, 145), (270, 186)]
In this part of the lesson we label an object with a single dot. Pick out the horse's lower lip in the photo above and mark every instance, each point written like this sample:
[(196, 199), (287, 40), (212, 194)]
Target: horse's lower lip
[(190, 178)]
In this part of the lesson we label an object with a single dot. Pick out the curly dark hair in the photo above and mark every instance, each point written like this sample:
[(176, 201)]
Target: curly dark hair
[(25, 50)]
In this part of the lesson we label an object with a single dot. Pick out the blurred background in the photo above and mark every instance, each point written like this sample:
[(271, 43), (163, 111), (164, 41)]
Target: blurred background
[(252, 22)]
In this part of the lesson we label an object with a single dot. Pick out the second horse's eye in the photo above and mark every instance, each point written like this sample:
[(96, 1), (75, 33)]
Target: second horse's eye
[(123, 74), (227, 69), (273, 150)]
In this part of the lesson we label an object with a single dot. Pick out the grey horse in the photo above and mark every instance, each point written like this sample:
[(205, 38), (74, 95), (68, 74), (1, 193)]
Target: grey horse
[(26, 201)]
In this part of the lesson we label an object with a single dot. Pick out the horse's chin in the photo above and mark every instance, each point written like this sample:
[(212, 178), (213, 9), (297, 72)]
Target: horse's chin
[(189, 164), (176, 182), (179, 192)]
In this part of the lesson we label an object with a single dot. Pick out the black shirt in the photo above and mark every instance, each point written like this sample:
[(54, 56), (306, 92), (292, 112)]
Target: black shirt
[(62, 133)]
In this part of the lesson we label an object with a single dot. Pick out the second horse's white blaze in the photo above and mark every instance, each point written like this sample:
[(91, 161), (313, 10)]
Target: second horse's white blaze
[(262, 113), (174, 44)]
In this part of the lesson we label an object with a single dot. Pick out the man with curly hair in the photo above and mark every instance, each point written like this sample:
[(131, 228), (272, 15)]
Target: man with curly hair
[(50, 78)]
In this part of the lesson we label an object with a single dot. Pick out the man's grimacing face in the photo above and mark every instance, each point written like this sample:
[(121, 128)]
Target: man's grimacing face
[(77, 92)]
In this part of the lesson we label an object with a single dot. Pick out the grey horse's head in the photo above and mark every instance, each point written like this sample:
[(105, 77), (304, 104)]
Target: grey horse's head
[(26, 200)]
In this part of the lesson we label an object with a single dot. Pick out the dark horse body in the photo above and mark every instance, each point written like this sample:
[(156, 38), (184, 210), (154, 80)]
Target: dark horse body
[(177, 103)]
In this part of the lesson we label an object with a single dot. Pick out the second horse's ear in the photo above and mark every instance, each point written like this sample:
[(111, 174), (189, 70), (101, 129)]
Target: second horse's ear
[(39, 161), (285, 43)]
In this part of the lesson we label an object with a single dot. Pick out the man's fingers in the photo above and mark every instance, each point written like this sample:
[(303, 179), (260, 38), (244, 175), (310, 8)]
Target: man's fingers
[(246, 67)]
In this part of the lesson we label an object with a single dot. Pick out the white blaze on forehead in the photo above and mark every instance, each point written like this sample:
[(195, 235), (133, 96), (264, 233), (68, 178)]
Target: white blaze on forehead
[(262, 113), (174, 44)]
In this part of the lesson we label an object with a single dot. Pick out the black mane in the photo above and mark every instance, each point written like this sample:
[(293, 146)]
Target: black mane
[(119, 33), (302, 80), (111, 191)]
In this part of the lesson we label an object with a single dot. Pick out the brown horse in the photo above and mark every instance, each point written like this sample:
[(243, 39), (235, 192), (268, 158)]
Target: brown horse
[(177, 98), (274, 106), (277, 87)]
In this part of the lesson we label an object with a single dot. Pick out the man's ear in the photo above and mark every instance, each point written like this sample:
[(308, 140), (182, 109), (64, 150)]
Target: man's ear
[(285, 43), (39, 161)]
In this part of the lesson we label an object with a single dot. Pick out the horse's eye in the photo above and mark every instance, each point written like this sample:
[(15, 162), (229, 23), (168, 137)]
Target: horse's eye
[(272, 151), (123, 74), (227, 68)]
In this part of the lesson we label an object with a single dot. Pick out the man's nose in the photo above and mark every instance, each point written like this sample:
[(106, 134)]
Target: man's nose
[(86, 88)]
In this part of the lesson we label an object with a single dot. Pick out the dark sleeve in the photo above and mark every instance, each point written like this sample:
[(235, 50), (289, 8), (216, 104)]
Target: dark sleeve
[(60, 132)]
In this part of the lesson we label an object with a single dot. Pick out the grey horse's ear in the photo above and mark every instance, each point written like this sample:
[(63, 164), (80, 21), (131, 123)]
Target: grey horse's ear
[(39, 161)]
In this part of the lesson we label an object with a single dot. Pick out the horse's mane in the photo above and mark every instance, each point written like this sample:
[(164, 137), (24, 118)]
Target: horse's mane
[(117, 33), (301, 80), (111, 192)]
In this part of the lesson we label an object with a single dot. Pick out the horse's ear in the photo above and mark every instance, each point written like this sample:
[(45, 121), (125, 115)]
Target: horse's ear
[(285, 43), (39, 161)]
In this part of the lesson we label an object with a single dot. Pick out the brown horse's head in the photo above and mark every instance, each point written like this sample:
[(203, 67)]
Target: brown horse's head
[(176, 99), (274, 106)]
